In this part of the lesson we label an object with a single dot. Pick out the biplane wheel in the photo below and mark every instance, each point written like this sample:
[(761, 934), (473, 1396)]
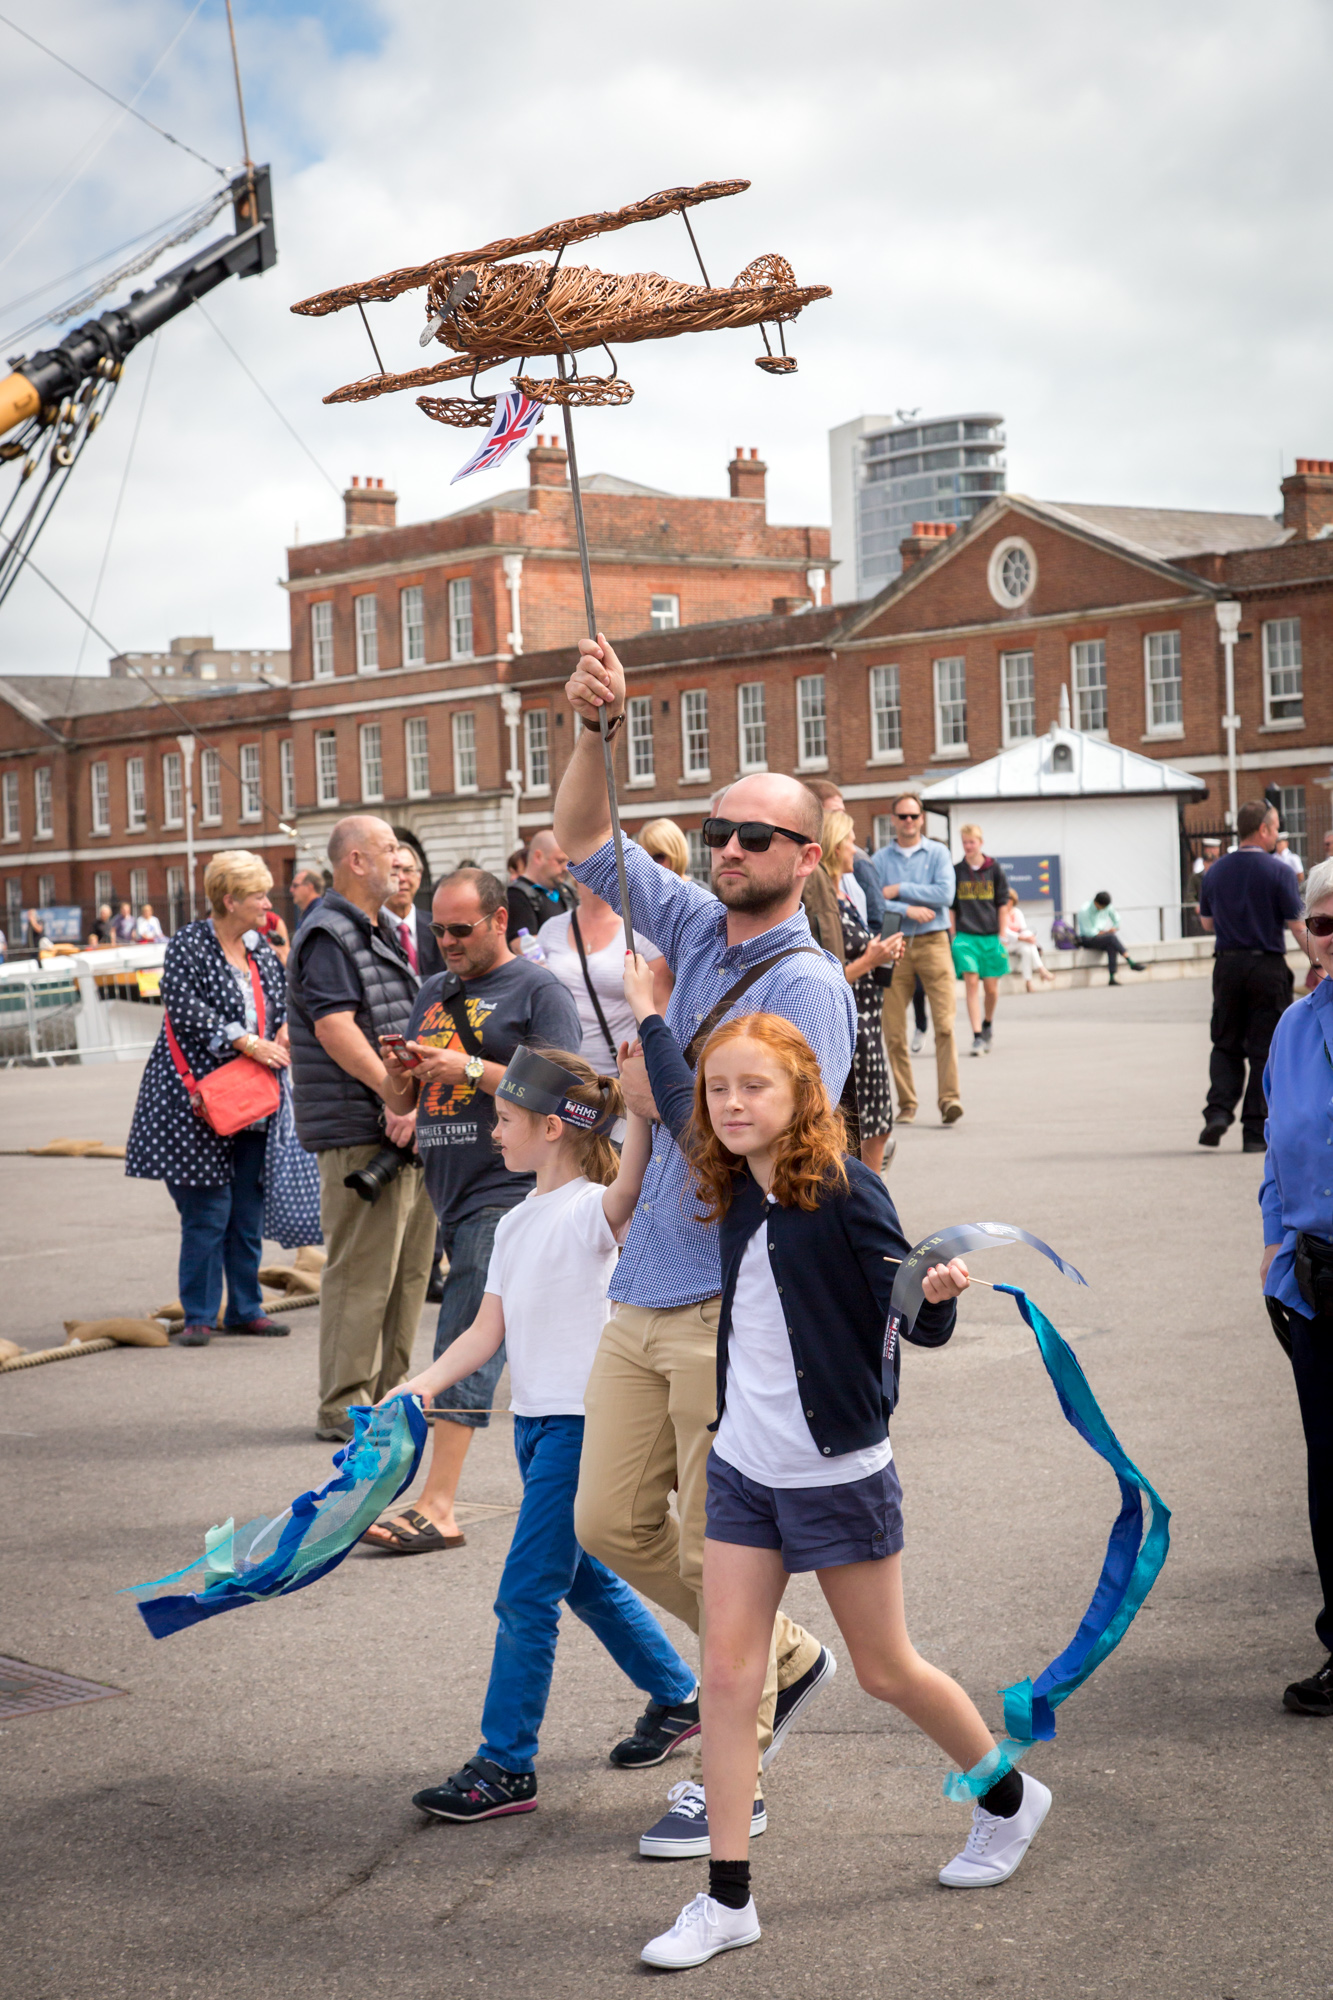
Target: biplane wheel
[(580, 392), (461, 411), (776, 364)]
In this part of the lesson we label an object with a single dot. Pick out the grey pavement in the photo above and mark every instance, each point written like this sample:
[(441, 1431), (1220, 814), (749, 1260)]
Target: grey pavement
[(238, 1824)]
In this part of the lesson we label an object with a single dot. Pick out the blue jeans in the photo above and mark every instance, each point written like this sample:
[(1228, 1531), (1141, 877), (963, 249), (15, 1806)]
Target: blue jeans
[(222, 1229), (545, 1565), (468, 1248)]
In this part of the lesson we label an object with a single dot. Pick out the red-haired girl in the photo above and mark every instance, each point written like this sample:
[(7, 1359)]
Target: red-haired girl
[(801, 1474)]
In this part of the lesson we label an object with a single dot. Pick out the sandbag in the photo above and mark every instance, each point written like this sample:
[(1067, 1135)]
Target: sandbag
[(125, 1332), (9, 1350), (78, 1149)]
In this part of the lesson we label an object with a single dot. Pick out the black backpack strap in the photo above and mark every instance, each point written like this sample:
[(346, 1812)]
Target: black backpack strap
[(733, 994), (587, 980), (455, 1007)]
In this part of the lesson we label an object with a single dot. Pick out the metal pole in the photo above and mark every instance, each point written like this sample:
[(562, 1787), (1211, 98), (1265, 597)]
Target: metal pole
[(1228, 624), (187, 752), (608, 756)]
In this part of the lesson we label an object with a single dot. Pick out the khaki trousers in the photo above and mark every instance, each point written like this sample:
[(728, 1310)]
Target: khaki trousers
[(650, 1399), (374, 1284), (928, 958)]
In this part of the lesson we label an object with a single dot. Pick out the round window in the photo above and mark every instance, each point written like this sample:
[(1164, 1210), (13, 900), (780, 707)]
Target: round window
[(1012, 572)]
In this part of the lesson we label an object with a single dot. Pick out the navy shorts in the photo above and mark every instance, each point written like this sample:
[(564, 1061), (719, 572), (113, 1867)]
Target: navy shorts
[(814, 1527)]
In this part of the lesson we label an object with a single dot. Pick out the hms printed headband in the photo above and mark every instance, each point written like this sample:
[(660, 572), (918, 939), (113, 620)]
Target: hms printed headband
[(535, 1084)]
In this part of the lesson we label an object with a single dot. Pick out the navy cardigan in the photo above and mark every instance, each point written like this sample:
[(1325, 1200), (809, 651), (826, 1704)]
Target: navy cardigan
[(834, 1267)]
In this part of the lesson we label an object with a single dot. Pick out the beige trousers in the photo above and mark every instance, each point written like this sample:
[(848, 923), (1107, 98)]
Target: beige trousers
[(928, 958), (374, 1284), (650, 1399)]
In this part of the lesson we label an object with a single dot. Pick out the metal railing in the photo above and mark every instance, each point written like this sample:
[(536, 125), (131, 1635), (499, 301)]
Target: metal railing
[(96, 1006)]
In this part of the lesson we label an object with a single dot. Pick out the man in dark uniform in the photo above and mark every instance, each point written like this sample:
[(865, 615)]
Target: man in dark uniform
[(543, 890), (1245, 900)]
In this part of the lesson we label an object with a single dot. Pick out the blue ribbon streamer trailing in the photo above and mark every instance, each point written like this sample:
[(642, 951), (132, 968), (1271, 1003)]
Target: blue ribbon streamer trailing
[(1134, 1558), (272, 1557)]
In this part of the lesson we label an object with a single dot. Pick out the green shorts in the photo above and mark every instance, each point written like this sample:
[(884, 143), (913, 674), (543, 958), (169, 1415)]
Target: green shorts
[(985, 955)]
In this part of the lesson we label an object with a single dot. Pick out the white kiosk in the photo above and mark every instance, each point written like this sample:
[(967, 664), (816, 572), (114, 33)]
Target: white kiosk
[(1068, 814)]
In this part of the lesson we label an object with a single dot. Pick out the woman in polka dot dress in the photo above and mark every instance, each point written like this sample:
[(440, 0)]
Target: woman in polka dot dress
[(217, 1183)]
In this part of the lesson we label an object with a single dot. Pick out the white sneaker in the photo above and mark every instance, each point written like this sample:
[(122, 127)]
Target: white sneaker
[(918, 1041), (700, 1932), (995, 1846)]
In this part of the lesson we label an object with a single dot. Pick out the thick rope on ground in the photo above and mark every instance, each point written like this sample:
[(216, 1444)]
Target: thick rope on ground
[(67, 1353)]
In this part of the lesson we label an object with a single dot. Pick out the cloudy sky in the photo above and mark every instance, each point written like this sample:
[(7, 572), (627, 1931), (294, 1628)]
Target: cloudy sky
[(1107, 220)]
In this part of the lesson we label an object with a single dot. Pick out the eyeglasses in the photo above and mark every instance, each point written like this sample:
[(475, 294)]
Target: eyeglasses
[(754, 835), (899, 815), (459, 930), (1320, 927)]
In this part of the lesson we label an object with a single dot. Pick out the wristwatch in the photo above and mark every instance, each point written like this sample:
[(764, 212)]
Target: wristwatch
[(473, 1068)]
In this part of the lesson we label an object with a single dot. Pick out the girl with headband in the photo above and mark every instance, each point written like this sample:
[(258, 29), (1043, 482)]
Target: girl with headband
[(546, 1298), (801, 1473)]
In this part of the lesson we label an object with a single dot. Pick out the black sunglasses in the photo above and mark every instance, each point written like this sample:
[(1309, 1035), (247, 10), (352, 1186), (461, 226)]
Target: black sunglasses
[(459, 930), (754, 835), (1319, 926), (898, 815)]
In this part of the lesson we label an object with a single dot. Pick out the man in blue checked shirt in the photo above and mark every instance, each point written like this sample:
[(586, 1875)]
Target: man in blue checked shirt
[(917, 880), (653, 1389)]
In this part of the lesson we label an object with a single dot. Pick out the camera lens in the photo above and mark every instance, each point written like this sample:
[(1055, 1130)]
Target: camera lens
[(371, 1180)]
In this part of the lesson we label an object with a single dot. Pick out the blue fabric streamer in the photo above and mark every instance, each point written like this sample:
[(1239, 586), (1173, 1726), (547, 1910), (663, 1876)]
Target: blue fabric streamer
[(271, 1557), (1134, 1558)]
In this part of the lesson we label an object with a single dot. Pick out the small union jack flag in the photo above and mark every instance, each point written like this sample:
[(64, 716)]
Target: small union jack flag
[(515, 416)]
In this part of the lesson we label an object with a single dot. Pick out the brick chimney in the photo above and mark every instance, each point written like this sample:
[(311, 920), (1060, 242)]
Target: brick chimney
[(747, 475), (548, 462), (924, 539), (1307, 498), (368, 507)]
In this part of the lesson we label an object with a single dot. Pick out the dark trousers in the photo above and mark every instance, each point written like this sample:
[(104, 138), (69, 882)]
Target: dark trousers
[(1251, 990), (1109, 942), (222, 1230), (919, 1005), (1310, 1344)]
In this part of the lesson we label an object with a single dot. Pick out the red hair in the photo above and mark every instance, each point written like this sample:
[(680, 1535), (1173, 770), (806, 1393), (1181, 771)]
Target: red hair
[(807, 1161)]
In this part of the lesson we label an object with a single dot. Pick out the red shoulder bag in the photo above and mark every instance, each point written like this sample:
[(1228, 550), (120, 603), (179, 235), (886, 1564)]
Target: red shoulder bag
[(238, 1092)]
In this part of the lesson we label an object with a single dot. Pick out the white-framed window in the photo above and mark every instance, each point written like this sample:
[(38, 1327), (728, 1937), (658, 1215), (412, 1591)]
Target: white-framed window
[(42, 797), (694, 735), (367, 634), (173, 789), (642, 760), (1163, 697), (14, 909), (664, 614), (950, 705), (177, 914), (99, 785), (252, 802), (321, 639), (416, 755), (465, 751), (103, 892), (460, 618), (882, 829), (1295, 816), (701, 862), (537, 749), (752, 726), (210, 787), (372, 764), (138, 888), (1018, 684), (886, 715), (9, 803), (287, 775), (1012, 572), (136, 804), (46, 891), (1087, 667), (412, 611), (1284, 698), (326, 767), (812, 722)]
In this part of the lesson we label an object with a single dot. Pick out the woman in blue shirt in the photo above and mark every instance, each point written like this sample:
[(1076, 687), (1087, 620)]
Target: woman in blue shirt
[(1297, 1271)]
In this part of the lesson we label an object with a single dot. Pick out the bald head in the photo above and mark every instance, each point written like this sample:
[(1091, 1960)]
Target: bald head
[(781, 801), (547, 860), (362, 851)]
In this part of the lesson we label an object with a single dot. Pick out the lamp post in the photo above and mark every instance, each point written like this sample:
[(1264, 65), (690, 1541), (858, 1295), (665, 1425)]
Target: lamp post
[(187, 752), (511, 704), (1228, 625)]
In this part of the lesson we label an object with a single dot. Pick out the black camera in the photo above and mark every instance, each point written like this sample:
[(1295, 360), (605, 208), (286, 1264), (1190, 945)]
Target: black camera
[(371, 1180)]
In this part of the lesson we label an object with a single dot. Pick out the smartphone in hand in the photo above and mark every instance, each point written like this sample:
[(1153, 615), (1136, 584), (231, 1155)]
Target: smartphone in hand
[(891, 924), (396, 1046)]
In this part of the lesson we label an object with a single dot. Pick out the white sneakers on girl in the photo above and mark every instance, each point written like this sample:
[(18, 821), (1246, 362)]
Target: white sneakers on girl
[(700, 1932), (995, 1846)]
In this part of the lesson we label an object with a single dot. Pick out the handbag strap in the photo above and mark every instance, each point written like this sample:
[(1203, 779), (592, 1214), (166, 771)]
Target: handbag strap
[(733, 994), (261, 1016), (587, 980)]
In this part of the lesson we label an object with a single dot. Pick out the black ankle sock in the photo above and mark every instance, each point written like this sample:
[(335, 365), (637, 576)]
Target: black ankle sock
[(729, 1883), (1005, 1795)]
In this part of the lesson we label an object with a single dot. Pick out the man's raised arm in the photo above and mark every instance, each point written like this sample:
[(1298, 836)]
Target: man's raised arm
[(582, 817)]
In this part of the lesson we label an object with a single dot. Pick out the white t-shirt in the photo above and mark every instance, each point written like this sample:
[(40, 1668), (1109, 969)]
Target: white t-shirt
[(1293, 862), (550, 1266), (606, 970), (763, 1432)]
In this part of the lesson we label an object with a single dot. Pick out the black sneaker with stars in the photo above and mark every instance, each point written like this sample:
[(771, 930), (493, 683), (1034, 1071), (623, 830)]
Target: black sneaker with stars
[(481, 1790)]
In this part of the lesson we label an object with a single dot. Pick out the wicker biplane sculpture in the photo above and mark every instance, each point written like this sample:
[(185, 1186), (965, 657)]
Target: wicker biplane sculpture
[(502, 304)]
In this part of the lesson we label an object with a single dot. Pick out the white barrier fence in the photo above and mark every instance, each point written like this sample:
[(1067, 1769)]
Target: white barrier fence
[(93, 1006)]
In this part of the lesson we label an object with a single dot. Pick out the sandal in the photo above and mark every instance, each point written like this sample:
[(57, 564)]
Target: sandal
[(420, 1538)]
